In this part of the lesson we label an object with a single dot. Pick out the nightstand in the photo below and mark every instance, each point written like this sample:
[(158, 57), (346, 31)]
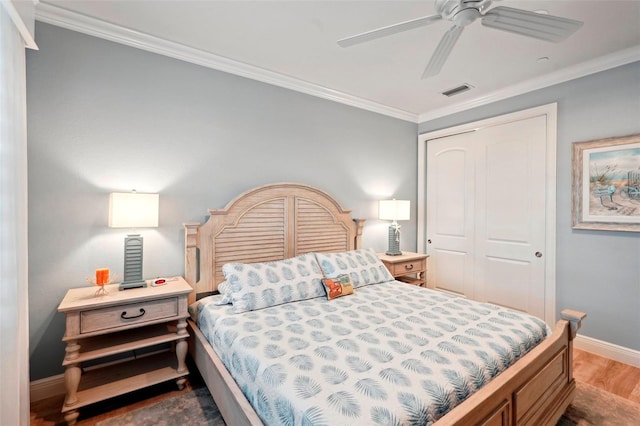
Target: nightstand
[(407, 267), (122, 324)]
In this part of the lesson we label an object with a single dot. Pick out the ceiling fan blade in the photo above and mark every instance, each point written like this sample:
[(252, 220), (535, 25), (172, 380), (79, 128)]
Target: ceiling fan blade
[(388, 30), (442, 51), (530, 24)]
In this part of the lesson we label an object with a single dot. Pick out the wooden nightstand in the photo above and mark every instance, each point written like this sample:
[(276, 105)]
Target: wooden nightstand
[(408, 267), (122, 322)]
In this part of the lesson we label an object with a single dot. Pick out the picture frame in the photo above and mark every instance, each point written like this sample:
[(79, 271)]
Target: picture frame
[(606, 184)]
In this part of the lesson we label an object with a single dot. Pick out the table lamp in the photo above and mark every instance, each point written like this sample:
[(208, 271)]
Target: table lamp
[(133, 210), (394, 210)]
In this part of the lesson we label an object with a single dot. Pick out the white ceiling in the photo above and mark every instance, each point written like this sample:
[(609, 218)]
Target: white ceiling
[(293, 44)]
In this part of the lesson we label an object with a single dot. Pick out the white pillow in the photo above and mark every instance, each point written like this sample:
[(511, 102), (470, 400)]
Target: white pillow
[(363, 266), (260, 285)]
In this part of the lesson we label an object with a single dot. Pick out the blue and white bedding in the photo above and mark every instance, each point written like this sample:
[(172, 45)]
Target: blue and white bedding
[(390, 354)]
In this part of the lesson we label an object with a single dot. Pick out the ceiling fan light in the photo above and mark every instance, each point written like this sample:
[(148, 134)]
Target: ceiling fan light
[(466, 16)]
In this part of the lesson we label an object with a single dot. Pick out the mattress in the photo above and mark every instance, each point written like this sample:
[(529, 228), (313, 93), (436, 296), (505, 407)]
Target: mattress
[(390, 354)]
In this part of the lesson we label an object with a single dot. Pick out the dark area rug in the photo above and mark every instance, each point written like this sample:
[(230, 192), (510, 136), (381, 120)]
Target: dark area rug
[(595, 407), (194, 409), (591, 407)]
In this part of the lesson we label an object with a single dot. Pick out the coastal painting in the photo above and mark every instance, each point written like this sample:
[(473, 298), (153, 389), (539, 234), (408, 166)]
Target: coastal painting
[(606, 184)]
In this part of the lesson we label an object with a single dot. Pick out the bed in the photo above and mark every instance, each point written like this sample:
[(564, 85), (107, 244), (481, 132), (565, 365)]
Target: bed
[(279, 222)]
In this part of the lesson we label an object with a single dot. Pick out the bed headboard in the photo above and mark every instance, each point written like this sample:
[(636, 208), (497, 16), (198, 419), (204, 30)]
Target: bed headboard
[(268, 223)]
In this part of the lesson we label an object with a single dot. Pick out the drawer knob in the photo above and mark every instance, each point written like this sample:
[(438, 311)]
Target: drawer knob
[(408, 267), (123, 315)]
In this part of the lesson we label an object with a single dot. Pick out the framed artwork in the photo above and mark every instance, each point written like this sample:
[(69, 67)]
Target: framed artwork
[(606, 184)]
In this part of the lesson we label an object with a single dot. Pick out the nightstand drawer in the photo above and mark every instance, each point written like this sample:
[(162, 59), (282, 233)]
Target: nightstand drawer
[(124, 315), (407, 267)]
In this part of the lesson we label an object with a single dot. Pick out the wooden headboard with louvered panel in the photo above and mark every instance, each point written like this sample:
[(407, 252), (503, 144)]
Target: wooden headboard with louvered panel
[(268, 223)]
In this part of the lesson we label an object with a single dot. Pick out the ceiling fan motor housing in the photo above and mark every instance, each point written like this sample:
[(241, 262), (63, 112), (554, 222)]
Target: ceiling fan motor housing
[(461, 12)]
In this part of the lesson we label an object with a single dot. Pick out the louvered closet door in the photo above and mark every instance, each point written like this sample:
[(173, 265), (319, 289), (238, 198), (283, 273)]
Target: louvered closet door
[(486, 214)]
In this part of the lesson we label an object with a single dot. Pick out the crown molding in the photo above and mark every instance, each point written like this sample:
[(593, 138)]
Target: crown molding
[(60, 17), (74, 21), (602, 63), (23, 16)]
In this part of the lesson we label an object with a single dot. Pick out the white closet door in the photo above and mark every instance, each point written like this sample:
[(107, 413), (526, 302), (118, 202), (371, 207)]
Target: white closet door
[(486, 214), (510, 215), (450, 206)]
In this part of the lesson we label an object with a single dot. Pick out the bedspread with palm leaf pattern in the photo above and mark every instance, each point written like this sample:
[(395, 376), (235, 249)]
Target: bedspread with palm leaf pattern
[(390, 354)]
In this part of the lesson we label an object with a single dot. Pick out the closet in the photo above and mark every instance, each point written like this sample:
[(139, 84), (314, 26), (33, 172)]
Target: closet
[(488, 203)]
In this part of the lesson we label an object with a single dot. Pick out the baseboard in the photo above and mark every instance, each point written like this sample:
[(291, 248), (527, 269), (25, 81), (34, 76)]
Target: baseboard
[(608, 350), (47, 387)]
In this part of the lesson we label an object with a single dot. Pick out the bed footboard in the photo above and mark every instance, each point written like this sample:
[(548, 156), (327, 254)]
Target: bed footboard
[(536, 390)]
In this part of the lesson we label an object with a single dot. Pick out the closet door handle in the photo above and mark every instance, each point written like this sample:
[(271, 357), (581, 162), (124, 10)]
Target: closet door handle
[(123, 315), (538, 254)]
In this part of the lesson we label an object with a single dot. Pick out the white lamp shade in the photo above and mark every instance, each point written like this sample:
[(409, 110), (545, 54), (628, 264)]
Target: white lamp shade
[(133, 210), (394, 210)]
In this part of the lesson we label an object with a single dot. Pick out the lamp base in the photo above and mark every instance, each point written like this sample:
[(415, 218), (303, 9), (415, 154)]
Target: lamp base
[(394, 241), (132, 263), (133, 284)]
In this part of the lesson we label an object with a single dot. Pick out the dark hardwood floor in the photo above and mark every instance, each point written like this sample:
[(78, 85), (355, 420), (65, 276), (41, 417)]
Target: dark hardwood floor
[(612, 376)]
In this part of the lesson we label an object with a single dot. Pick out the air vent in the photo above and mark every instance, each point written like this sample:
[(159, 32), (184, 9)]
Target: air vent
[(457, 90)]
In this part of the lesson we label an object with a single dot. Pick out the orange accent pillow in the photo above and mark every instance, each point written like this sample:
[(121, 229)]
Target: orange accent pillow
[(338, 286)]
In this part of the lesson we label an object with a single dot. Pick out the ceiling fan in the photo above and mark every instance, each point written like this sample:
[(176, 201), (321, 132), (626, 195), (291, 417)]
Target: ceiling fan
[(464, 12)]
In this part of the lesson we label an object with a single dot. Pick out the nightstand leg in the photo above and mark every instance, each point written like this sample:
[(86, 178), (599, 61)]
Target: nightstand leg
[(71, 417), (71, 381), (72, 373), (181, 382), (181, 351)]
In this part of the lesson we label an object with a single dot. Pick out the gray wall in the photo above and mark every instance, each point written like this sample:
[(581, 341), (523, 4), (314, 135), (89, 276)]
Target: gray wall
[(597, 272), (104, 117)]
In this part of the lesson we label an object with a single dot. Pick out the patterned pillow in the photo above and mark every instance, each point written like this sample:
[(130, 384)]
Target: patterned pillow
[(363, 266), (338, 286), (223, 289), (260, 285)]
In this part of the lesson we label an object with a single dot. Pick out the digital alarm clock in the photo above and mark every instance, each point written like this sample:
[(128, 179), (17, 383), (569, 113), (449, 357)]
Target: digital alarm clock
[(160, 281)]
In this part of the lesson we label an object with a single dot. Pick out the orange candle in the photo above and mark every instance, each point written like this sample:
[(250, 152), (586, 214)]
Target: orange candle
[(102, 276)]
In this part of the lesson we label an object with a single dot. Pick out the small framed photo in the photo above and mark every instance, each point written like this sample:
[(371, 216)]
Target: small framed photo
[(606, 184)]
